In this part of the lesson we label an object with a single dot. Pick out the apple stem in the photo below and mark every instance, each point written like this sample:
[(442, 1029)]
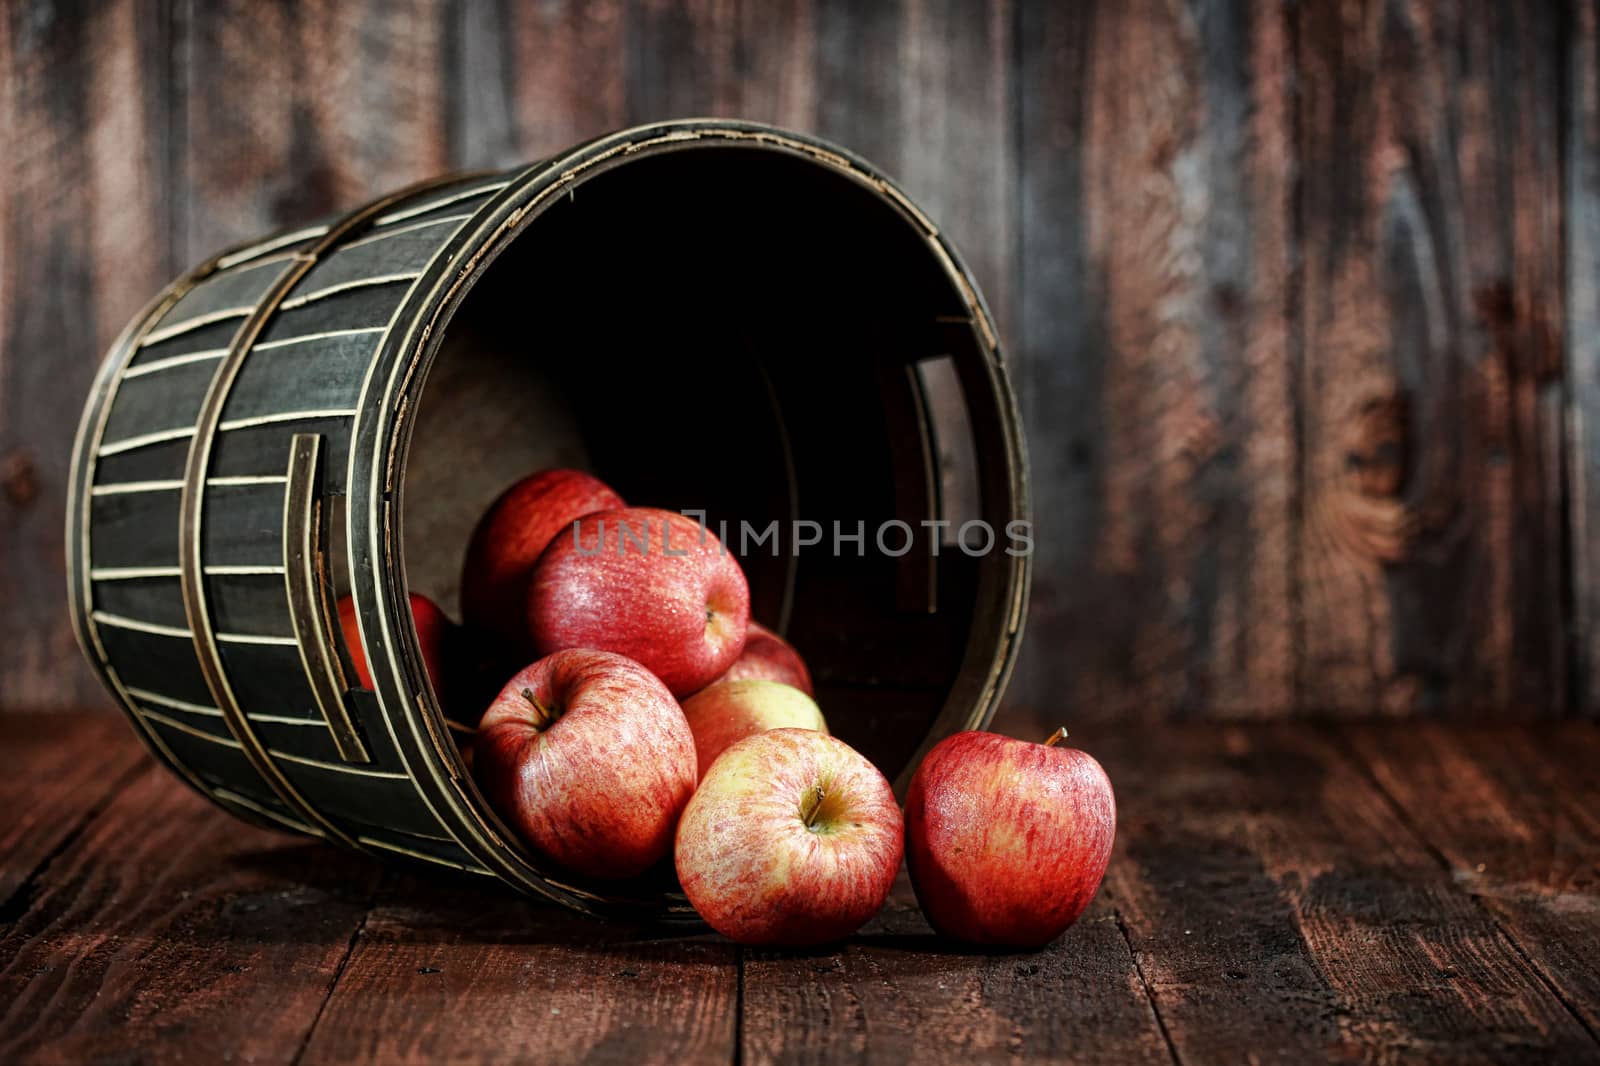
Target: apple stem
[(540, 710), (1057, 737), (811, 805)]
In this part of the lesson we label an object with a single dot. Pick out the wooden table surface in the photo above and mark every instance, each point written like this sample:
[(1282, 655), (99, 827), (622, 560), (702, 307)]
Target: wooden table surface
[(1279, 892)]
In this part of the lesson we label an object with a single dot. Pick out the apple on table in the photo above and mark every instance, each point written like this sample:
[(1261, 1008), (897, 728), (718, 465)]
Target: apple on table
[(792, 838), (1006, 840)]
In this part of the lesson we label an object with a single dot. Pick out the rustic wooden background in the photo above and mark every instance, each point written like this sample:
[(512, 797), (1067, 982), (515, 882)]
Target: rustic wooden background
[(1302, 298)]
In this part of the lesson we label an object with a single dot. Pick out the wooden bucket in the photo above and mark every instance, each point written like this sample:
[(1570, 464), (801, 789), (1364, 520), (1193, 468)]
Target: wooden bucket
[(710, 315)]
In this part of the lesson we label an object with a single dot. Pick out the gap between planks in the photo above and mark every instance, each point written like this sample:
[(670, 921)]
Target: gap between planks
[(1144, 986), (1244, 815), (1336, 737), (338, 972)]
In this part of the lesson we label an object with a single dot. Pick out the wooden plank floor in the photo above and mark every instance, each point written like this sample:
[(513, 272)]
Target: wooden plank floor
[(1373, 892)]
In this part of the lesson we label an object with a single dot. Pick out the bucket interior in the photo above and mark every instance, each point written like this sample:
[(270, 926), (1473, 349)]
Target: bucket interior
[(753, 335)]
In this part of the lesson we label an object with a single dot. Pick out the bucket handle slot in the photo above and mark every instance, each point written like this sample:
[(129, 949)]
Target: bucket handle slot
[(305, 567), (914, 458)]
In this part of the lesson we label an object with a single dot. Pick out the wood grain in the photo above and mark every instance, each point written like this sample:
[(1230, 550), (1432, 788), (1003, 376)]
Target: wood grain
[(1430, 565), (1513, 816), (1280, 892), (1300, 299), (1275, 900), (169, 930), (1580, 208), (451, 972), (526, 80), (56, 772), (343, 102), (1156, 165), (898, 994), (87, 238), (743, 59)]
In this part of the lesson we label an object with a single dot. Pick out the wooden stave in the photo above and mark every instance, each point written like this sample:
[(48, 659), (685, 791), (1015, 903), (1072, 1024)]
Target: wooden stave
[(188, 325)]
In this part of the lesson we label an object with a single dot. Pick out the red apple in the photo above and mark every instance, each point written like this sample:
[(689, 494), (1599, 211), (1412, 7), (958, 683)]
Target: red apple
[(792, 838), (433, 632), (587, 756), (649, 584), (769, 657), (508, 541), (1007, 840), (725, 712)]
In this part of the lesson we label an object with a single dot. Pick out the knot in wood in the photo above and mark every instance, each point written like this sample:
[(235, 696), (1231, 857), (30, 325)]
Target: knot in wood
[(1379, 448)]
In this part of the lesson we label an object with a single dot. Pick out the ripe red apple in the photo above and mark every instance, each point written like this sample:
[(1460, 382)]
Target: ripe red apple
[(792, 838), (433, 633), (769, 657), (649, 584), (725, 712), (508, 541), (1007, 840), (587, 756)]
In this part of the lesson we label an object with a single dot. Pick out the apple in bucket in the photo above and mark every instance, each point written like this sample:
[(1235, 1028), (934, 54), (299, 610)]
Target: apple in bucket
[(589, 759), (433, 634), (769, 657), (649, 584), (724, 713), (508, 541)]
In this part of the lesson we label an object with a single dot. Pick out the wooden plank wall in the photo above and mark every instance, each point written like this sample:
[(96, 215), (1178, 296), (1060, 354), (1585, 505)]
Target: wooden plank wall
[(1300, 298)]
